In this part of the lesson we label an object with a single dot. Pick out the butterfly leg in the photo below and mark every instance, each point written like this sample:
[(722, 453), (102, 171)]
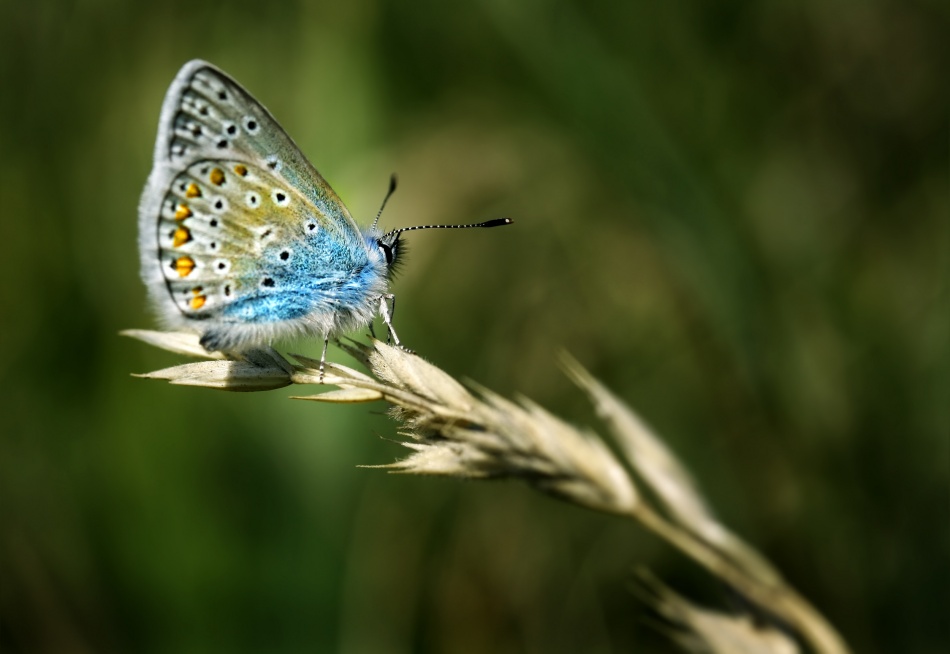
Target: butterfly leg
[(323, 357), (387, 315)]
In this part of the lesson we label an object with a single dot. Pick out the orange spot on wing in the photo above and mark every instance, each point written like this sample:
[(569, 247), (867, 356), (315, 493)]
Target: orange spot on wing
[(180, 237), (216, 176), (199, 299), (193, 191), (241, 170), (184, 266), (182, 211)]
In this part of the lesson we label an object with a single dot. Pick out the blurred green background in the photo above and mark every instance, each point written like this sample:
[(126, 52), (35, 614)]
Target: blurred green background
[(734, 214)]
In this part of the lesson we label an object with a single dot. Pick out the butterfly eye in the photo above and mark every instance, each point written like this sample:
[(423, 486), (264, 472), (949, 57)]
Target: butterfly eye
[(387, 252)]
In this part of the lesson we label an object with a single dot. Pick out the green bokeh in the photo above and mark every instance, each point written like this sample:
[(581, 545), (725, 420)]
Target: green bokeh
[(734, 214)]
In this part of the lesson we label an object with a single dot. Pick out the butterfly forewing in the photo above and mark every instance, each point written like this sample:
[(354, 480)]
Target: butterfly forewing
[(207, 115)]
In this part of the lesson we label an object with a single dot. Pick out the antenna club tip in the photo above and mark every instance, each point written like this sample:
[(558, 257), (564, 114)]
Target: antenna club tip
[(498, 222)]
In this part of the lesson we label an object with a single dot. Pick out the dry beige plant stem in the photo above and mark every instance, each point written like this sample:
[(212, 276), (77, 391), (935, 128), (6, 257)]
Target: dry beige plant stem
[(453, 431)]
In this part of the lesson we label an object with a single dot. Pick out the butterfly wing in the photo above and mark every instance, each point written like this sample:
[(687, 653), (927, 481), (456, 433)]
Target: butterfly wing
[(240, 236)]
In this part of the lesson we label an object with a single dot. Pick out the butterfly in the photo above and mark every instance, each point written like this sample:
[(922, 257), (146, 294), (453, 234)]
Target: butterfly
[(241, 239)]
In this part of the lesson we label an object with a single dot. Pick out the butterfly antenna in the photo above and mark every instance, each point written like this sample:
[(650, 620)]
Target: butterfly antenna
[(497, 222), (392, 189)]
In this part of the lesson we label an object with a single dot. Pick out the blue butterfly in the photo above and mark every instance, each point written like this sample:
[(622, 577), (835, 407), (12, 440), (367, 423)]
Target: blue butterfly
[(240, 237)]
